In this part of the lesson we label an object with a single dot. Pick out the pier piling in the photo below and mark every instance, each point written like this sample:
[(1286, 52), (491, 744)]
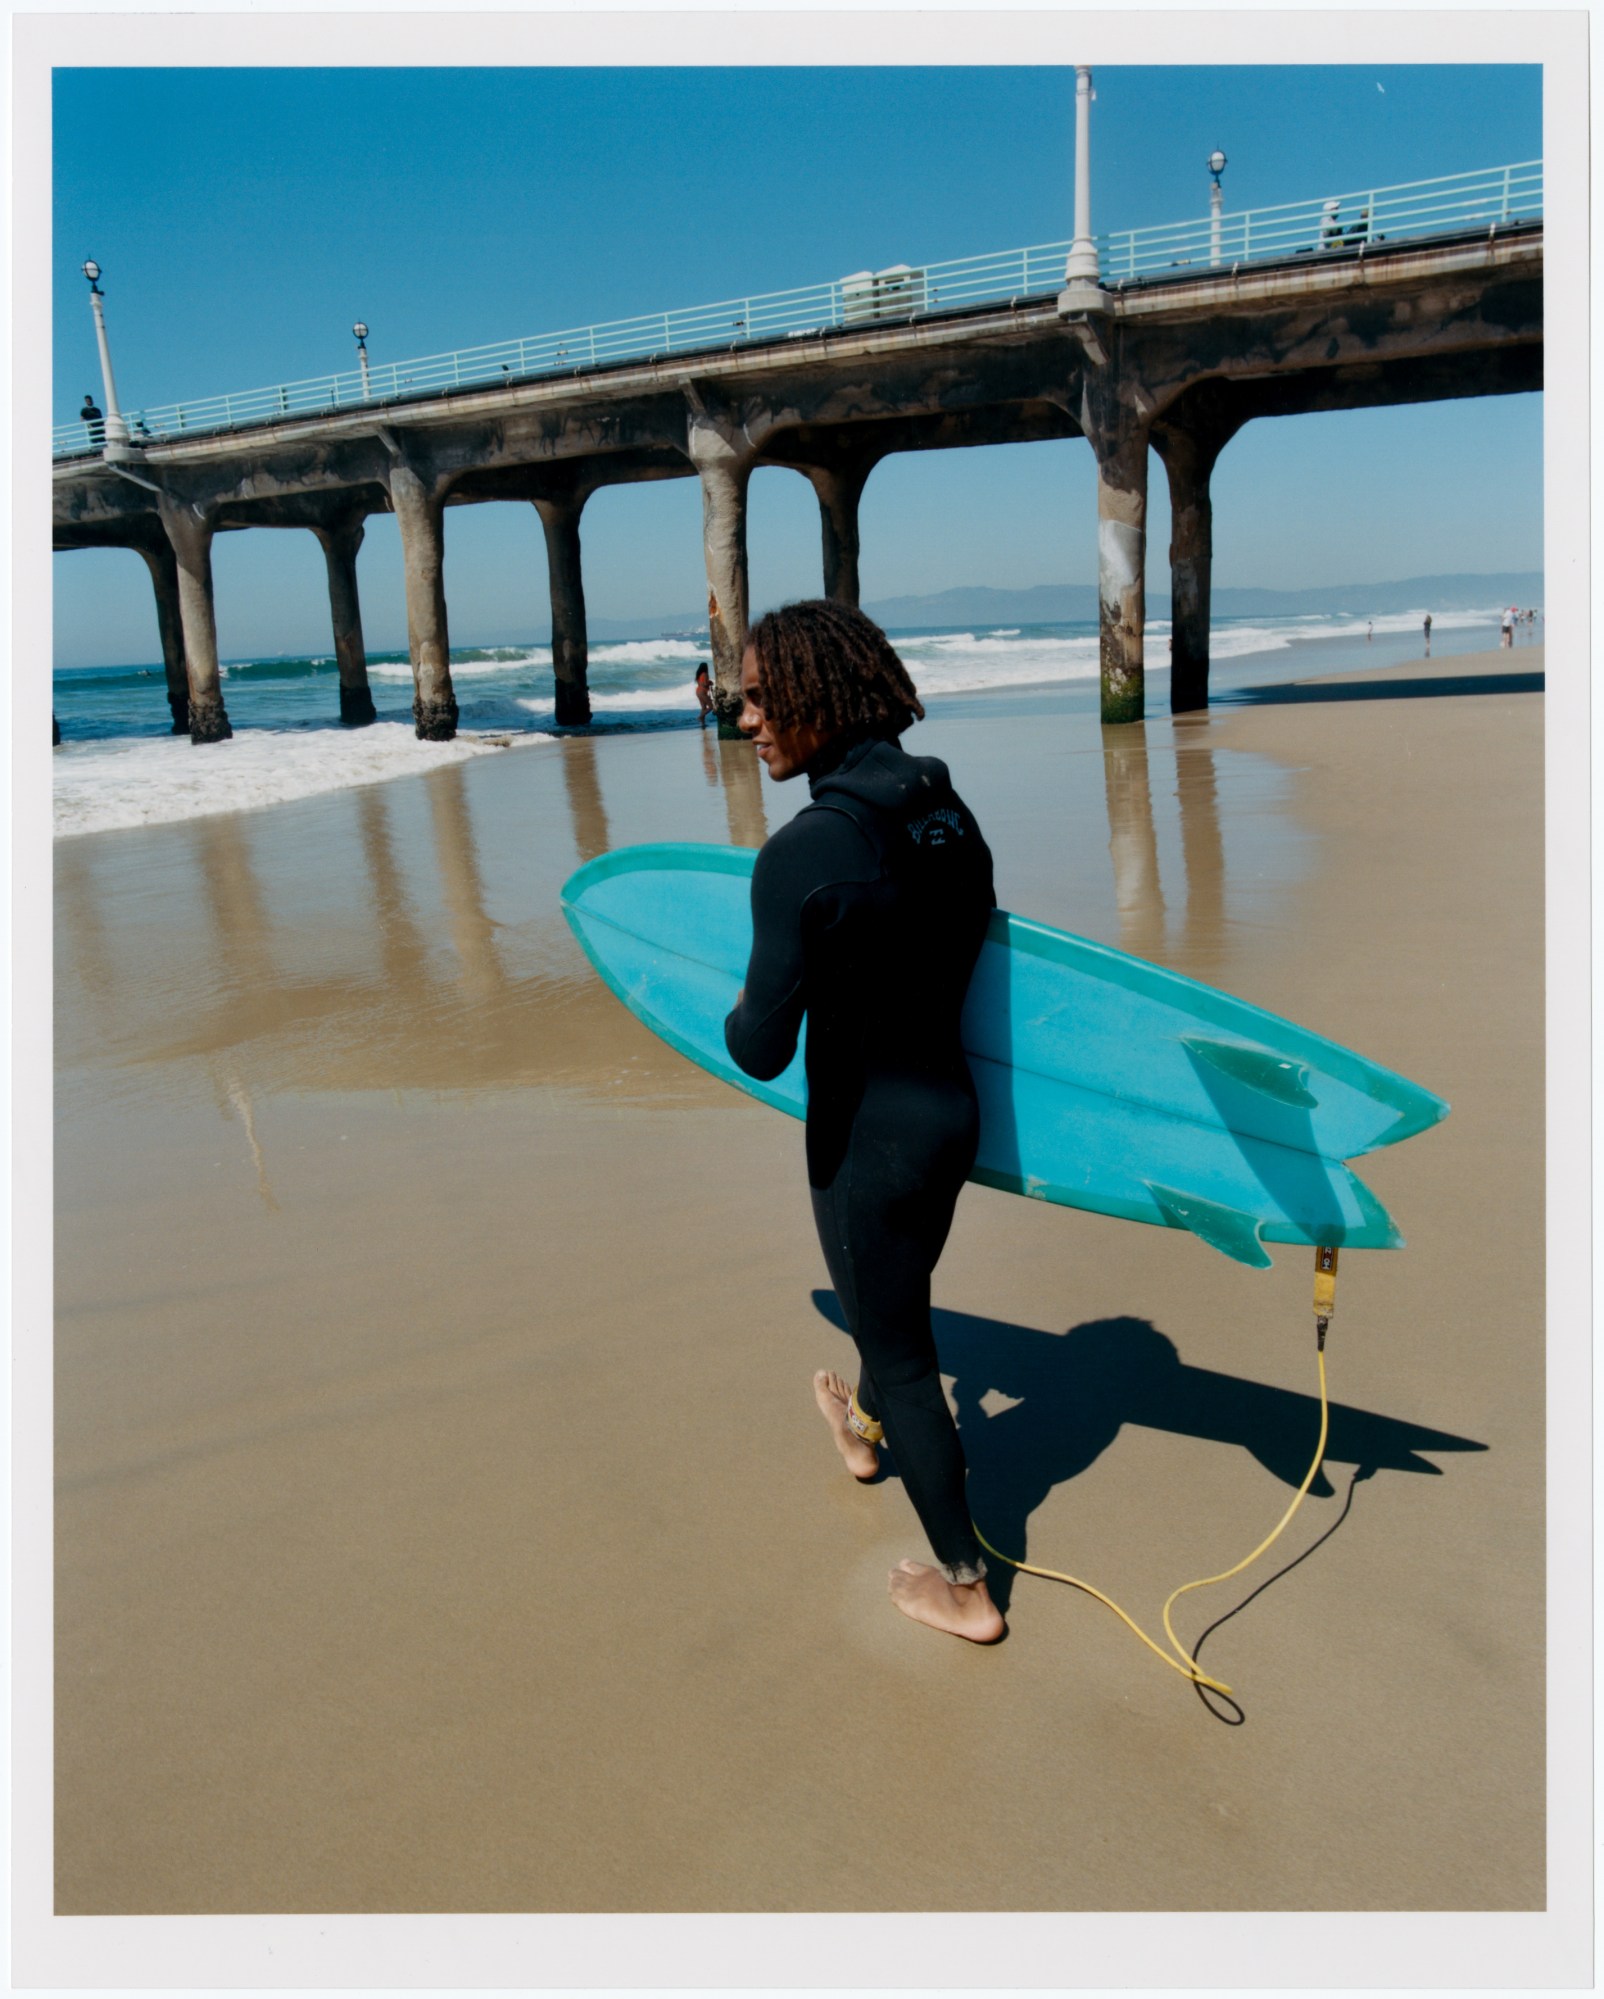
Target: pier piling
[(163, 567), (570, 645), (1188, 451), (190, 534), (725, 477), (840, 488), (418, 508), (340, 539), (1119, 442)]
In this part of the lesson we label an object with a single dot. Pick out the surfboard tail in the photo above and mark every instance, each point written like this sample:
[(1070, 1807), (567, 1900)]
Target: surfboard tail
[(1242, 1236)]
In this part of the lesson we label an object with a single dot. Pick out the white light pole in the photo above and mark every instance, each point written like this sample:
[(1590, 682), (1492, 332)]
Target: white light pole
[(361, 331), (1083, 290), (1216, 168), (1081, 267), (116, 445)]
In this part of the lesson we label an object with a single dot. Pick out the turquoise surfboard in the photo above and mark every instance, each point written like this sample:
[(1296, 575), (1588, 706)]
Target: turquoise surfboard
[(1105, 1082)]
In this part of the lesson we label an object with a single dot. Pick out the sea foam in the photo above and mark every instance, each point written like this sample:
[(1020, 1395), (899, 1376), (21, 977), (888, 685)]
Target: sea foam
[(141, 781)]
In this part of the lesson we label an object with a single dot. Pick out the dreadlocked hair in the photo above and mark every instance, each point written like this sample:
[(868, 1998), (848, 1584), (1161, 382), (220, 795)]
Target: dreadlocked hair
[(825, 664)]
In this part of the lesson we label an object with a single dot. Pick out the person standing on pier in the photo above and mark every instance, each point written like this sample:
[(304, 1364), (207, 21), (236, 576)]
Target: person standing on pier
[(869, 909), (95, 420)]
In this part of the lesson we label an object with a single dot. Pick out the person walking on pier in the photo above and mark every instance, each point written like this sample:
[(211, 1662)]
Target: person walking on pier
[(95, 420), (869, 909)]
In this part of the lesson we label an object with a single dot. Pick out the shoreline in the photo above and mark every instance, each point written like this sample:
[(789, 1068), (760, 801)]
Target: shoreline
[(446, 1312), (114, 783)]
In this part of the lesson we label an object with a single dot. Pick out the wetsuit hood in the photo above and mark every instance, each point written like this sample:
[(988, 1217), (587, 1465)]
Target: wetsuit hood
[(877, 771)]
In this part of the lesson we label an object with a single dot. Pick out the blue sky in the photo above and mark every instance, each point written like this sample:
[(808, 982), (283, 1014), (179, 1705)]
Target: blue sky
[(454, 207)]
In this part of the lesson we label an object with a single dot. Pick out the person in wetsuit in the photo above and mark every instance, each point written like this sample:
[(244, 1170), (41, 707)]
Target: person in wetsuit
[(868, 913)]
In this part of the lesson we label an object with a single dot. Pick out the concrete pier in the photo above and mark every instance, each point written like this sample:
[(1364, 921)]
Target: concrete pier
[(189, 530), (418, 505), (1119, 439), (840, 488), (1179, 362), (725, 475), (570, 646), (1189, 462), (163, 567), (340, 539)]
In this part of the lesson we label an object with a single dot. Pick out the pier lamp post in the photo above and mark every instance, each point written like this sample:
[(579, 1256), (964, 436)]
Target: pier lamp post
[(116, 439), (1083, 290), (1216, 168), (361, 331)]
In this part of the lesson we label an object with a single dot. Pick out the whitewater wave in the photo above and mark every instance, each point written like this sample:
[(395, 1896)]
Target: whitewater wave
[(129, 781), (119, 767), (630, 652)]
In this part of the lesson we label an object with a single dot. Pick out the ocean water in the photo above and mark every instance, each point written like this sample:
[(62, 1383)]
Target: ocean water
[(119, 765)]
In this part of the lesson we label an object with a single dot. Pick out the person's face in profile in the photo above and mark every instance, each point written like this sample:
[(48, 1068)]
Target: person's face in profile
[(785, 752)]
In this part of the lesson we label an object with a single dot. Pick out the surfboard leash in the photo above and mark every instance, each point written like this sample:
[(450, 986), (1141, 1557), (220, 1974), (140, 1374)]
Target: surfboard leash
[(1178, 1658)]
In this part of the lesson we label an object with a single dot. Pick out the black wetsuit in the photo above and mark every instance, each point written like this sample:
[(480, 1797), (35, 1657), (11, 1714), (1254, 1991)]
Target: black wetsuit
[(869, 910)]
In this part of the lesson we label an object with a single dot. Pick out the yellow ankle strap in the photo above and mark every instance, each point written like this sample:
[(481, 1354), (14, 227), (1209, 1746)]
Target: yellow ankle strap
[(866, 1427)]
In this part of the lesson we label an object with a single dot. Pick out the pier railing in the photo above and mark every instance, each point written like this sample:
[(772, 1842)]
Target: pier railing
[(1328, 226)]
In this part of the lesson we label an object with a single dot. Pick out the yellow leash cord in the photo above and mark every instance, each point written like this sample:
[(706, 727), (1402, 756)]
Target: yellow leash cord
[(1178, 1658)]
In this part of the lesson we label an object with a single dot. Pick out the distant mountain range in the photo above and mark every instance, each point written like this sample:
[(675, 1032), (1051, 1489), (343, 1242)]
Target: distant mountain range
[(1056, 603), (1067, 603)]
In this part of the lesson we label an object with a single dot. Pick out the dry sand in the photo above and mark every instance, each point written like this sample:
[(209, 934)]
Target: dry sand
[(443, 1520)]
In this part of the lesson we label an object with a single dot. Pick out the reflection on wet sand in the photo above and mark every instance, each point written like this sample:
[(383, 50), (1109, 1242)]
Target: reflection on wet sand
[(406, 1004), (742, 778), (80, 924), (402, 951), (1203, 852), (583, 781), (1133, 841), (1194, 937), (480, 975), (222, 850), (234, 1097)]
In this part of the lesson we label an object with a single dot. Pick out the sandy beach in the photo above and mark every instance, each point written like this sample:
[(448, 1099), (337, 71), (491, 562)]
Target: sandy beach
[(443, 1521)]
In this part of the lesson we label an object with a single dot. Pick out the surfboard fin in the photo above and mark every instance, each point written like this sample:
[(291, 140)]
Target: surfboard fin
[(1272, 1076), (1228, 1230)]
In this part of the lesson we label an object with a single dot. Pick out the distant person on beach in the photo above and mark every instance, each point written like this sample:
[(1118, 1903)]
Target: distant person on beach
[(1370, 630), (1428, 635), (95, 420), (868, 913), (1507, 628), (704, 694)]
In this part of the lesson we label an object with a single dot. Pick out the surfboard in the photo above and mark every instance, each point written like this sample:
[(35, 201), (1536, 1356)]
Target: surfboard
[(1105, 1082)]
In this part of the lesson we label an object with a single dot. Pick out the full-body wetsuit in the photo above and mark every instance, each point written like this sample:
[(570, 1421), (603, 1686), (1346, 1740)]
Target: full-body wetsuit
[(869, 910)]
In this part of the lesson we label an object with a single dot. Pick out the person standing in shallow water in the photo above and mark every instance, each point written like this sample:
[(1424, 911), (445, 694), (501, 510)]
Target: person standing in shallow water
[(868, 913), (704, 695)]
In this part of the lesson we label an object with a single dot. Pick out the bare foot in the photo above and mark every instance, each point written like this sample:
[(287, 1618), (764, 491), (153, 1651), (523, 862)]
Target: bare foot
[(964, 1609), (831, 1393)]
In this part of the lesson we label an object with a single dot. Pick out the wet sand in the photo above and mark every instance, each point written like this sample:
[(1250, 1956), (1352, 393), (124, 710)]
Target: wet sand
[(443, 1520)]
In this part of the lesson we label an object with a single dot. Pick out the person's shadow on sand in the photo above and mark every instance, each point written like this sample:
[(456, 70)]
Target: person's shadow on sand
[(1072, 1393)]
